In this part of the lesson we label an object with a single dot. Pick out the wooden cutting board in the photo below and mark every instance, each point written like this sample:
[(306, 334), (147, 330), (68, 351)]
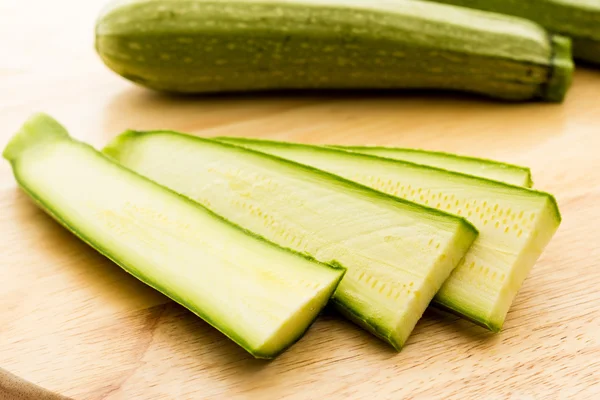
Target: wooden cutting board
[(75, 323)]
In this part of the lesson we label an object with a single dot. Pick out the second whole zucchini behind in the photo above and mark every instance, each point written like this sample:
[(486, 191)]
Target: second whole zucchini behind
[(200, 46), (578, 19)]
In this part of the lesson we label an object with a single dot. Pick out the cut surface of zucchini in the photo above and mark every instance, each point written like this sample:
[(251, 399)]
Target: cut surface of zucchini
[(515, 223), (497, 171), (397, 253), (258, 294)]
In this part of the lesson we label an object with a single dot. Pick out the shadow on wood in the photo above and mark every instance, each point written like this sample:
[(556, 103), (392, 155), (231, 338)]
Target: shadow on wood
[(343, 115)]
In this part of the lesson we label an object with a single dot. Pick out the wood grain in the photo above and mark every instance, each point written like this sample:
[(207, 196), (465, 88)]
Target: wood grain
[(15, 388), (76, 324)]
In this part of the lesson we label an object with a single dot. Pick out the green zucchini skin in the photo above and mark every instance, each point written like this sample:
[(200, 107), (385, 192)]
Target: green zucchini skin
[(578, 19), (205, 46)]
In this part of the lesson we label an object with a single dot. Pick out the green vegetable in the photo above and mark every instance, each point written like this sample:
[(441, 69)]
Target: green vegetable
[(579, 19), (397, 253), (515, 223), (258, 294), (498, 171), (198, 46)]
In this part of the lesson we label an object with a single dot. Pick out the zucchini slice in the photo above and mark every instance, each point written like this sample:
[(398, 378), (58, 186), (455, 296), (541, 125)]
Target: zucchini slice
[(203, 46), (397, 253), (515, 223), (494, 170), (260, 295)]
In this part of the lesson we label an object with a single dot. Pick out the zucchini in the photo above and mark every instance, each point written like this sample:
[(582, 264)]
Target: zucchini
[(498, 171), (201, 46), (578, 19), (397, 253), (515, 223), (260, 295)]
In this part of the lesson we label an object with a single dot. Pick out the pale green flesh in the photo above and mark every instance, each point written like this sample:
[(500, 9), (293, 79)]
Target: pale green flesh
[(204, 46), (397, 254), (260, 295), (507, 173), (515, 224)]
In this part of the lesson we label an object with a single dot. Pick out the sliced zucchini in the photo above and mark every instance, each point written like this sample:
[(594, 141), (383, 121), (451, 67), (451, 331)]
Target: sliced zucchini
[(498, 171), (397, 253), (515, 223), (261, 296)]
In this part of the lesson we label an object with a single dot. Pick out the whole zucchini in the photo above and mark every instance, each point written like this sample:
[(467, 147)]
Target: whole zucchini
[(579, 19), (200, 46)]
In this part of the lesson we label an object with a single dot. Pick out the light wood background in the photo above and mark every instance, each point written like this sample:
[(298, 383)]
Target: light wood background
[(75, 323)]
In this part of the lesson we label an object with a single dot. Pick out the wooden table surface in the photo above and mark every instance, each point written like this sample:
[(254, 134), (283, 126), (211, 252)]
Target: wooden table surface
[(75, 323)]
